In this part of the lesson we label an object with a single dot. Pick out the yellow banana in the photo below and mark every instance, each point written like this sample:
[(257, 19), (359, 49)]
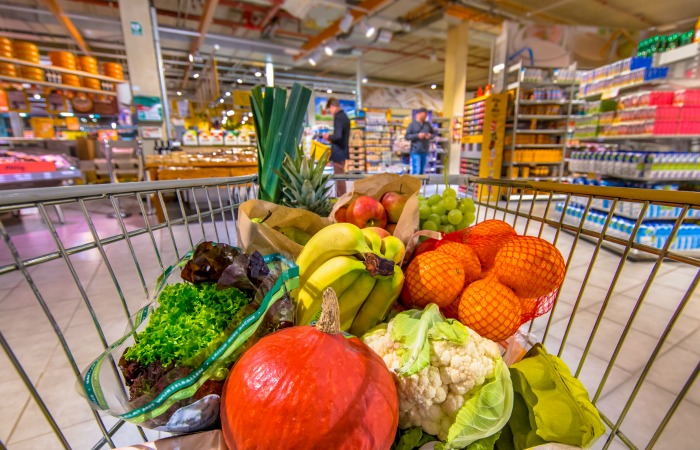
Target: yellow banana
[(338, 239), (393, 248), (378, 303), (373, 240), (352, 299), (340, 273)]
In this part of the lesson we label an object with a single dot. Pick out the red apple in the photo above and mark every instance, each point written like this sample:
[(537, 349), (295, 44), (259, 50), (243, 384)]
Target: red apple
[(393, 203), (391, 228), (380, 231), (366, 212), (341, 214)]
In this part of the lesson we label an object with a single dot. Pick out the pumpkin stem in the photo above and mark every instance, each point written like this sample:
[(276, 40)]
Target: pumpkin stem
[(329, 322)]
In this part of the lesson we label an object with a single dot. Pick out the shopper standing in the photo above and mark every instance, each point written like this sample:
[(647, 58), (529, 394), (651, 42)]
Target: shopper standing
[(419, 132), (339, 140)]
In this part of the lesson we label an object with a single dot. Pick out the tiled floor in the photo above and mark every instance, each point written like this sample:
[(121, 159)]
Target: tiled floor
[(32, 338)]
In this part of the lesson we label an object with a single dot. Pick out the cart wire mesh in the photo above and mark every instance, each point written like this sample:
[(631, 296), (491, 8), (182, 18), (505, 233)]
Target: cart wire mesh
[(626, 321)]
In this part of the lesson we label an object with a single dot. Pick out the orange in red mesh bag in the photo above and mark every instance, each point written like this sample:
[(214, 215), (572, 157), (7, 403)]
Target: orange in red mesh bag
[(432, 277), (463, 253), (486, 238), (530, 266), (491, 309)]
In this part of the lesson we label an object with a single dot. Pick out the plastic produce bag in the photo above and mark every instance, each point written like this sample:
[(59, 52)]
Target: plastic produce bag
[(208, 440), (133, 381)]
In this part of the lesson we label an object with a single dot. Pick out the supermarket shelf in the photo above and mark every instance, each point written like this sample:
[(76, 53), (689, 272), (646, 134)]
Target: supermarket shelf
[(678, 54), (528, 131), (538, 117), (633, 255), (644, 179), (470, 155), (537, 145), (473, 139), (79, 73), (527, 84), (532, 163), (545, 102), (631, 216), (641, 137), (57, 85), (32, 177), (614, 92)]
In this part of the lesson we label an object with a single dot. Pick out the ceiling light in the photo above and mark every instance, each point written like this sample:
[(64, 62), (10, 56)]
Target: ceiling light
[(179, 93), (23, 114), (216, 47), (498, 67), (190, 57), (370, 31), (312, 61), (230, 112), (433, 86), (37, 96), (228, 93), (330, 48), (239, 81), (195, 76), (346, 22), (330, 91), (354, 91), (258, 74), (221, 100), (364, 79)]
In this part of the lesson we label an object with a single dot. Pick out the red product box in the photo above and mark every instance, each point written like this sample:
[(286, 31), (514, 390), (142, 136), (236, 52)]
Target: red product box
[(689, 128), (665, 128), (661, 98), (687, 97), (27, 167), (667, 113), (690, 113)]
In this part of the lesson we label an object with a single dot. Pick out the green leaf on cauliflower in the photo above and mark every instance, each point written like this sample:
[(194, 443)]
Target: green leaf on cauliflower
[(414, 328), (486, 412), (411, 439)]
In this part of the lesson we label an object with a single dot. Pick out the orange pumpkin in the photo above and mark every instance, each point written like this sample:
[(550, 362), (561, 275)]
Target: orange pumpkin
[(311, 388)]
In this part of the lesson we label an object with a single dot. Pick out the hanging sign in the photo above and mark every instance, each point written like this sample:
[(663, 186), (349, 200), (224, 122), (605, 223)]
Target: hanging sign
[(17, 101), (492, 145), (148, 109)]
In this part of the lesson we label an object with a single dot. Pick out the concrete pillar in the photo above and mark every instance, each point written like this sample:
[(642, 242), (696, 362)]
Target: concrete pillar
[(141, 55), (358, 84), (455, 85)]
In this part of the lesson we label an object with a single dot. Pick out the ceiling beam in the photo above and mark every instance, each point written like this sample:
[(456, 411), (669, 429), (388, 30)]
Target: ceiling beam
[(205, 21), (57, 11), (472, 15), (333, 30)]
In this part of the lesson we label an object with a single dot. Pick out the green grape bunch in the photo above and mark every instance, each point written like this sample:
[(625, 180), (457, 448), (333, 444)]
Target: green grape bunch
[(445, 213)]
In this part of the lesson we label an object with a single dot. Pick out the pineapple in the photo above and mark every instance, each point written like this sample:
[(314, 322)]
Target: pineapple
[(304, 185)]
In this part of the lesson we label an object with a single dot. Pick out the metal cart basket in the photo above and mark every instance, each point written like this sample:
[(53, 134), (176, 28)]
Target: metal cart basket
[(627, 319)]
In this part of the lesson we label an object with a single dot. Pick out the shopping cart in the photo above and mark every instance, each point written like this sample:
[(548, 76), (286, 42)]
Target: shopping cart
[(626, 320)]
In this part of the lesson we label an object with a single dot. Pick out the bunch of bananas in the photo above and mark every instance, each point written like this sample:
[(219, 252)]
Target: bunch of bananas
[(361, 267)]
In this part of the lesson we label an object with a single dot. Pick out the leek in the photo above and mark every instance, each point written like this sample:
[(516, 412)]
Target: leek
[(278, 126)]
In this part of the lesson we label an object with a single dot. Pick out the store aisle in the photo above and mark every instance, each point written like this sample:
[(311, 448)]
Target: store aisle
[(31, 336)]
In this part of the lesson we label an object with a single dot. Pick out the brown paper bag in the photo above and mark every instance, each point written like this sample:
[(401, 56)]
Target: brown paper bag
[(263, 238), (377, 185)]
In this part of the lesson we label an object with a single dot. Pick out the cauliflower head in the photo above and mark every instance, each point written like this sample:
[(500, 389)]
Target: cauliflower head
[(434, 385)]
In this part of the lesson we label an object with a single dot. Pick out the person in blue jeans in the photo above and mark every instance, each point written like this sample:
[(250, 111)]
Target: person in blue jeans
[(419, 132)]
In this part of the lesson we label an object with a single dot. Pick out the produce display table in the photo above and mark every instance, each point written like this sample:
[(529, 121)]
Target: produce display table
[(184, 166)]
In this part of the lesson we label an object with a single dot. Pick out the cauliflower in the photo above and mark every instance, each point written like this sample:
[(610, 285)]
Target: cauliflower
[(438, 365)]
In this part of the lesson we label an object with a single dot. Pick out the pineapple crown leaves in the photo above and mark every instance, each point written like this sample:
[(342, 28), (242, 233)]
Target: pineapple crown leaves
[(304, 185)]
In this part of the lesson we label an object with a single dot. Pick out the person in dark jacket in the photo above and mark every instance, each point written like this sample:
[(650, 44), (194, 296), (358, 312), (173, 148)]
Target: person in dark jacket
[(419, 132), (339, 140)]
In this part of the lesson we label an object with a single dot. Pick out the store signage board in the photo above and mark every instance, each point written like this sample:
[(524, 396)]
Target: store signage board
[(183, 108), (148, 109), (492, 146), (151, 132), (73, 123), (325, 115), (136, 28), (17, 101)]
